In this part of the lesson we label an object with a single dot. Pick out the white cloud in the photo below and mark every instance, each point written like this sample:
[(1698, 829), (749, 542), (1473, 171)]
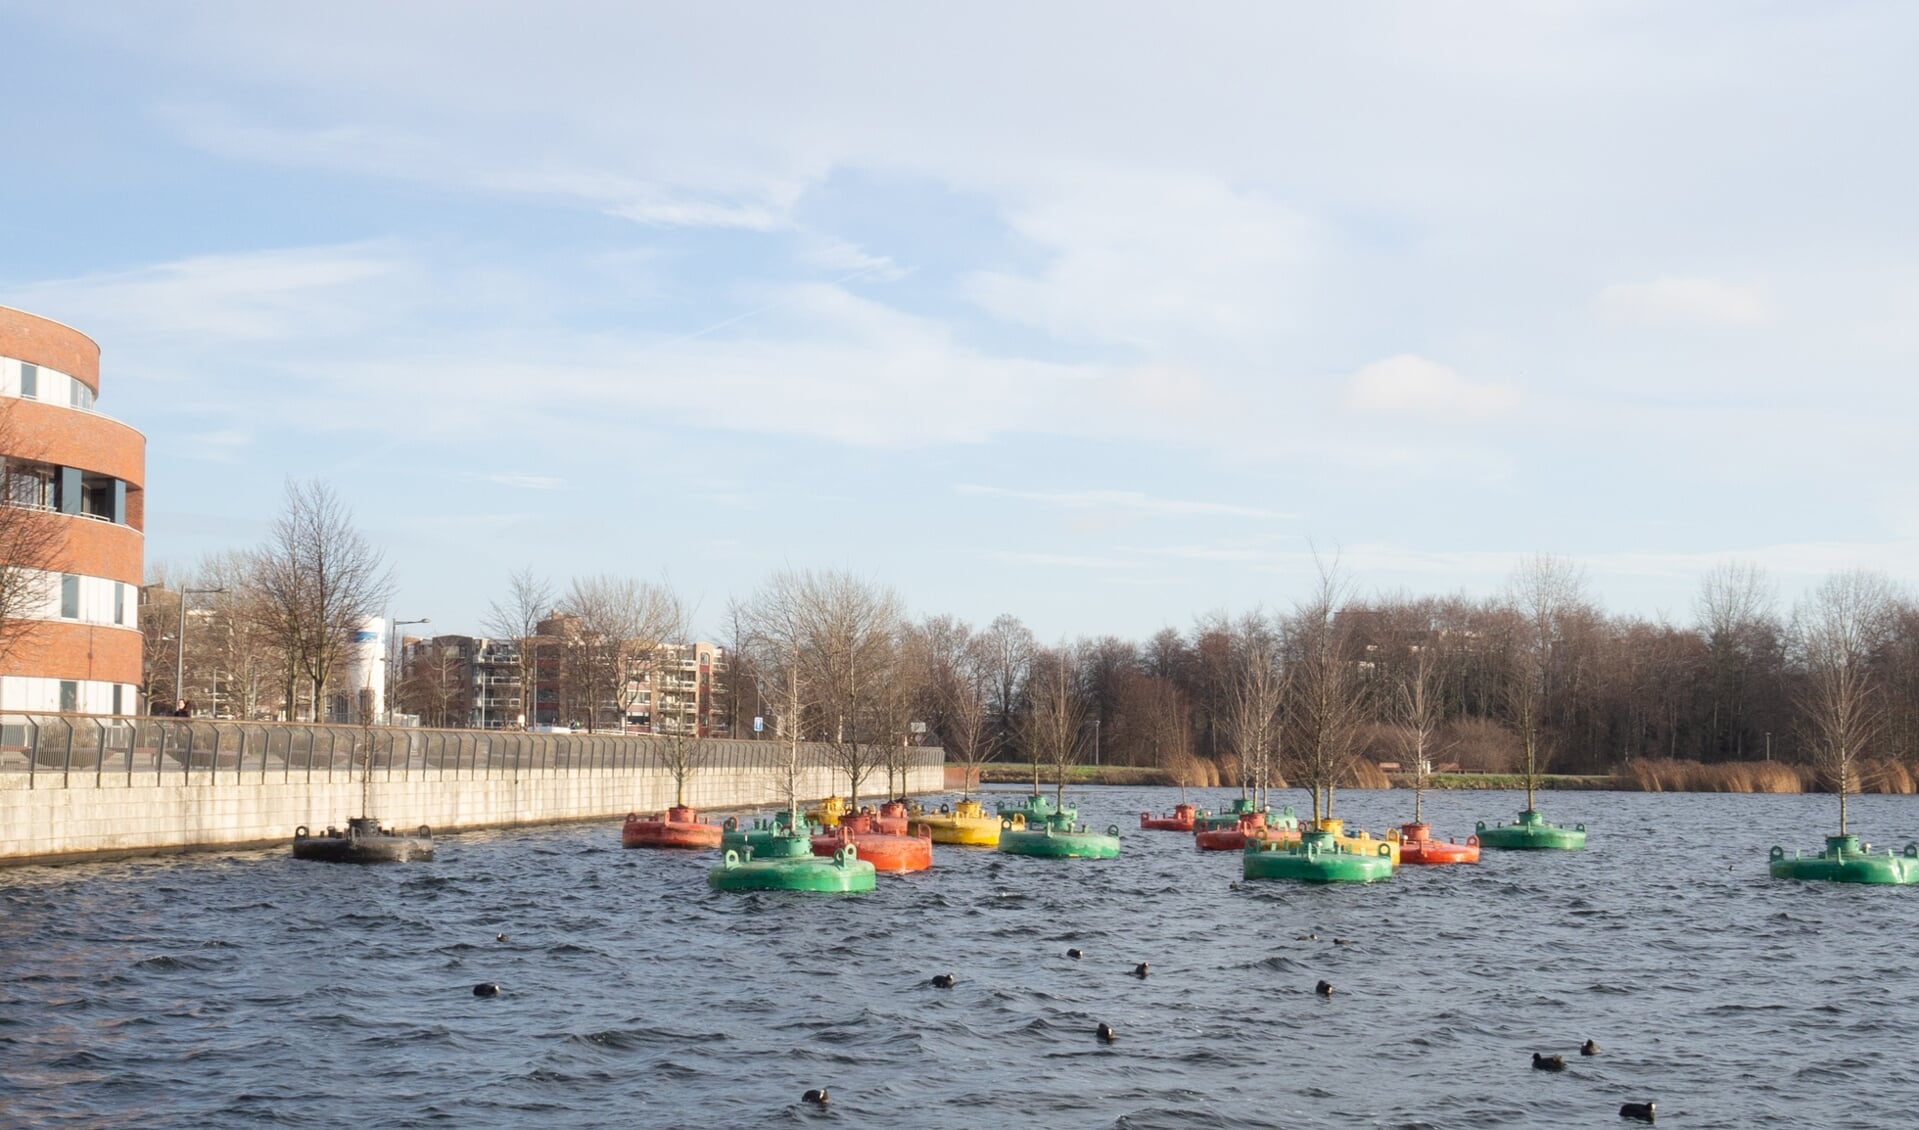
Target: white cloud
[(1681, 302), (1414, 386), (1130, 501), (518, 479), (1063, 560), (1168, 265)]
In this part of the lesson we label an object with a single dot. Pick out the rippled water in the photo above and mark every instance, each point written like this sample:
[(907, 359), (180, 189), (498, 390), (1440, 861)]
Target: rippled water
[(246, 989)]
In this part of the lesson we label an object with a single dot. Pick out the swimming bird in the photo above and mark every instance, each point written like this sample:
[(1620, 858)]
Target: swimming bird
[(942, 980), (1306, 937), (1140, 971), (1105, 1033), (1344, 942), (1074, 954), (1590, 1047), (1642, 1111), (816, 1096), (1548, 1062), (486, 989), (499, 937), (1324, 989)]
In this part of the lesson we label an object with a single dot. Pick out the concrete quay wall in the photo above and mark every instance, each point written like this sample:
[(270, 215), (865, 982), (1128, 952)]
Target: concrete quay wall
[(93, 818)]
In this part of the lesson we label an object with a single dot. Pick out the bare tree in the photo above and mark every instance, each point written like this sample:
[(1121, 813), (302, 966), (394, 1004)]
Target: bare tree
[(1544, 594), (1010, 647), (516, 617), (849, 642), (620, 623), (1052, 729), (1735, 611), (1325, 707), (682, 751), (1255, 695), (961, 680), (320, 579), (1838, 629), (32, 540), (773, 633), (1419, 707)]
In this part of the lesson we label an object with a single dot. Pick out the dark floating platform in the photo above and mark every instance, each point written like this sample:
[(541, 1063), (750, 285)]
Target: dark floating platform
[(363, 841)]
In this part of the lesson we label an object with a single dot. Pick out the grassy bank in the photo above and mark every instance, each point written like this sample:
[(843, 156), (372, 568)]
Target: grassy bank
[(1013, 773)]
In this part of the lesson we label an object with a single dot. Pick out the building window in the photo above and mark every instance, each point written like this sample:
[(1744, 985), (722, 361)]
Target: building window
[(119, 617), (69, 696), (69, 596), (82, 396), (119, 702), (30, 381)]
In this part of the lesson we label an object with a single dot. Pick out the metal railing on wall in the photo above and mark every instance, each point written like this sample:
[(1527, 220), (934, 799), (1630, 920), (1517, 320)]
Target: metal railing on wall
[(58, 750)]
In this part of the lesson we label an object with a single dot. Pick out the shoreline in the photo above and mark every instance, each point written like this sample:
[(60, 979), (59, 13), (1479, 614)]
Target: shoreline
[(1729, 778)]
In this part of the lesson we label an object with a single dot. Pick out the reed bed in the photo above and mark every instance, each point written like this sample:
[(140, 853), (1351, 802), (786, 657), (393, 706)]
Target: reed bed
[(1662, 775)]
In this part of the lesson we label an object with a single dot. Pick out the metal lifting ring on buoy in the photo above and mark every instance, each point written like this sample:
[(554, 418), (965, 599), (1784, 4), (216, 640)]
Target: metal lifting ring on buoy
[(300, 833), (1472, 841), (732, 824), (1912, 851), (1112, 830), (1777, 852), (632, 816), (1386, 850), (425, 832)]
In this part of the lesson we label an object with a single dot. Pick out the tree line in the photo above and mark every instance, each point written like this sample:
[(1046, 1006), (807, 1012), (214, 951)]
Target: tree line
[(1534, 678)]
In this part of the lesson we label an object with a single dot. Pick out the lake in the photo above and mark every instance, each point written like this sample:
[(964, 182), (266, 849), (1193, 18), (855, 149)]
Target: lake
[(243, 989)]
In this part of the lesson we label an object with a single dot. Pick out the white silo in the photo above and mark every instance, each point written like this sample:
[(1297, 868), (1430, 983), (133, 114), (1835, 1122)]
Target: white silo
[(366, 671)]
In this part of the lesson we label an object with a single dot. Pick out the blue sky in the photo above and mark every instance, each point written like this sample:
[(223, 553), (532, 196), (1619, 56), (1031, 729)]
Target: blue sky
[(1101, 314)]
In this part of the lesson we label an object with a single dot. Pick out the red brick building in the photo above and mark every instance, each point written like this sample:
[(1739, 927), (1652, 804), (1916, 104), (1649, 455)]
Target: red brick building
[(75, 638)]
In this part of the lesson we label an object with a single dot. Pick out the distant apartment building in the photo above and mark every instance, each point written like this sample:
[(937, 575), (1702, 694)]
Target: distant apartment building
[(73, 532), (465, 682), (672, 689)]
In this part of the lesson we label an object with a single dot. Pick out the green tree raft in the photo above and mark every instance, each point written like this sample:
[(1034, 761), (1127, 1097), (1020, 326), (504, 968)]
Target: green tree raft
[(1057, 838), (777, 838), (1531, 833), (1316, 857), (844, 873), (1845, 860), (1036, 810)]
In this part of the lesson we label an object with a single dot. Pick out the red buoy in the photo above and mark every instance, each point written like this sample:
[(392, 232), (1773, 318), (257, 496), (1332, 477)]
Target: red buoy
[(1416, 845), (1251, 826), (680, 827), (1181, 820), (884, 850)]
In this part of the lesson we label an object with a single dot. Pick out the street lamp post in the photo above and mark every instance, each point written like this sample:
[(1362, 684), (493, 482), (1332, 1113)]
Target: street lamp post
[(180, 643), (392, 648)]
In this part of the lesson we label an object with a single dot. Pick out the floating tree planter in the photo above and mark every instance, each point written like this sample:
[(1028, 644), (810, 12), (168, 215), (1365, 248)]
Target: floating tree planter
[(1316, 857), (1531, 833), (844, 873), (363, 841), (1058, 838), (1036, 810), (1179, 820), (1416, 845), (680, 827), (964, 823), (1846, 860)]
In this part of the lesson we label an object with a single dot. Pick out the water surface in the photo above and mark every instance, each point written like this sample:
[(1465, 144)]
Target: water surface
[(246, 989)]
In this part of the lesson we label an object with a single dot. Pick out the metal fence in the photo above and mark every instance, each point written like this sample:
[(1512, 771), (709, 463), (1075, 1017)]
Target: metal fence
[(57, 750)]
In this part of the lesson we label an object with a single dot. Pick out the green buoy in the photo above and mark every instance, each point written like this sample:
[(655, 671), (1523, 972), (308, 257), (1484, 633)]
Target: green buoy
[(1846, 860), (843, 873), (1531, 833), (778, 838), (1315, 858), (1058, 838), (1037, 810)]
